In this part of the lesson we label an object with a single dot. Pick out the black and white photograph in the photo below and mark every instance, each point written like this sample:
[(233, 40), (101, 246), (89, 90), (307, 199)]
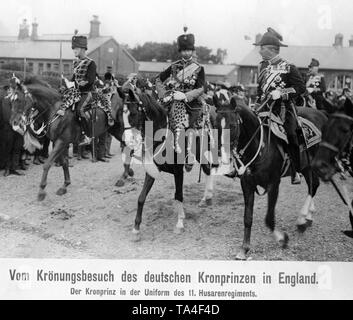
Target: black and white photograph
[(186, 130)]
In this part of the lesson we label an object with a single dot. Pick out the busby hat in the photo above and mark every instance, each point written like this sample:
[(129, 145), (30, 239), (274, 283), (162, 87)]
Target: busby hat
[(272, 38), (108, 76), (186, 41), (314, 63), (79, 41)]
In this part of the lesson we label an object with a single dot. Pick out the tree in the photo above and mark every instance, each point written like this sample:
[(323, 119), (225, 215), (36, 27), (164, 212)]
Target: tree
[(162, 52)]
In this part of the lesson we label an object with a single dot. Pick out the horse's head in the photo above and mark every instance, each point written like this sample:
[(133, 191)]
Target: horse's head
[(130, 110), (336, 137), (21, 101), (228, 118)]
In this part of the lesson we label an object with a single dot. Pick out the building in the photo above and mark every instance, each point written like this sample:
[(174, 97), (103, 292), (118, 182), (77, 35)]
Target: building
[(213, 72), (335, 63), (52, 53)]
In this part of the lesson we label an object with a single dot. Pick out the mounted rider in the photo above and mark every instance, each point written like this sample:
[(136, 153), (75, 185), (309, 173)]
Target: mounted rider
[(181, 87), (84, 77), (315, 85), (281, 83)]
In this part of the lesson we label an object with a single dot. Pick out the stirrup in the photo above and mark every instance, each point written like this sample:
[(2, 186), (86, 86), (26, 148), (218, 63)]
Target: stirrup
[(296, 179), (189, 164), (85, 141)]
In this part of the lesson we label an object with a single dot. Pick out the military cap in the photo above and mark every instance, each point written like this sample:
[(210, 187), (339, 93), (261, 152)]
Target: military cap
[(186, 41), (272, 38), (79, 41), (314, 63)]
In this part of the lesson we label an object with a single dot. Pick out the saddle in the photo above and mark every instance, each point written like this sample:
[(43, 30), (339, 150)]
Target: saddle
[(311, 133)]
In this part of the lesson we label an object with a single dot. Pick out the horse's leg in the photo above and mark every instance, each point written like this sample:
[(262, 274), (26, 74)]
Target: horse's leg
[(208, 194), (67, 180), (272, 194), (249, 197), (141, 201), (126, 157), (179, 181), (59, 147), (305, 216)]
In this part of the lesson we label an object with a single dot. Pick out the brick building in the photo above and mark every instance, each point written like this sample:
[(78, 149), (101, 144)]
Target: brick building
[(52, 53), (335, 63)]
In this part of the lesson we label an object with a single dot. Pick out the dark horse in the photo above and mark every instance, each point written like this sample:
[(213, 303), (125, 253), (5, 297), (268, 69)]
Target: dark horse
[(149, 110), (262, 153), (39, 99), (337, 139)]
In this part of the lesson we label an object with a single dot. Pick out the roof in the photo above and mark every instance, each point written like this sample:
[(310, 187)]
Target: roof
[(337, 58), (45, 49), (210, 69)]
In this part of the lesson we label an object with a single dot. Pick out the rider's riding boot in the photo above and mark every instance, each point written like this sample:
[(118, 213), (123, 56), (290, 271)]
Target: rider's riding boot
[(190, 157), (84, 139)]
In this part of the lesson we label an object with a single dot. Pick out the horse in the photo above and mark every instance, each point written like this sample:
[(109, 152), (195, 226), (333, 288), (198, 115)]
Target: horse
[(264, 156), (148, 110), (39, 99), (337, 140)]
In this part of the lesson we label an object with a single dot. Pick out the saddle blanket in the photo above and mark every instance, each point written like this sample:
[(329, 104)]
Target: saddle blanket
[(311, 133)]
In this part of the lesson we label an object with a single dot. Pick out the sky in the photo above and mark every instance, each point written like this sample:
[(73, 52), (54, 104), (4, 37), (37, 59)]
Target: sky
[(215, 23)]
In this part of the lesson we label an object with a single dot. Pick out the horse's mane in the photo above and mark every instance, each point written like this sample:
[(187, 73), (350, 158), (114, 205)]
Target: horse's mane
[(153, 109), (42, 92)]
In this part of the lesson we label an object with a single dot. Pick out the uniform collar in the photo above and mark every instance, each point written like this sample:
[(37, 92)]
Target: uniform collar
[(186, 60), (275, 59)]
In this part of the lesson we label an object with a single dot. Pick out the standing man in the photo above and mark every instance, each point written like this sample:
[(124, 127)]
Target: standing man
[(185, 79), (282, 81), (315, 85)]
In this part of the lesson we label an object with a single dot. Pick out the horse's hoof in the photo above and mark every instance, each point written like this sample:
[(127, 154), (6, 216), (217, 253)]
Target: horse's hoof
[(284, 242), (136, 236), (309, 223), (178, 230), (120, 183), (41, 196), (131, 173), (61, 192), (241, 256), (205, 203), (302, 227), (348, 233)]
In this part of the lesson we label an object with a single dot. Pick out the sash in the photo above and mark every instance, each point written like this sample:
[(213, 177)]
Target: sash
[(272, 74), (187, 72)]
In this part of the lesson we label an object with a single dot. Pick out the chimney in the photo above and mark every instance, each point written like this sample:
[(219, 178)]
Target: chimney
[(34, 35), (338, 40), (351, 41), (94, 33), (258, 37), (24, 30)]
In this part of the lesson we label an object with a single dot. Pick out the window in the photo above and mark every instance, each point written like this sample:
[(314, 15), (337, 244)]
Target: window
[(48, 66), (341, 81), (1, 64), (66, 68), (56, 67), (253, 76), (40, 68), (30, 66)]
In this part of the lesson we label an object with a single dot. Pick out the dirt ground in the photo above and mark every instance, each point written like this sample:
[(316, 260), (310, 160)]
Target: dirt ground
[(95, 218)]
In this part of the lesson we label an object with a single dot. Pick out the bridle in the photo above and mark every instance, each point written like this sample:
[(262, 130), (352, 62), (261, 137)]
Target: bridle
[(243, 168)]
